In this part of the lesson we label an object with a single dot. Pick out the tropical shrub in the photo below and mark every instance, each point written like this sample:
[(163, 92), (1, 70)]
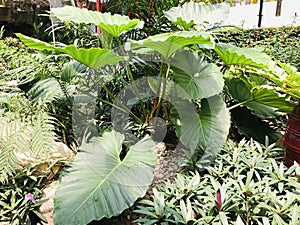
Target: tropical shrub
[(280, 44), (256, 108), (178, 84), (247, 184)]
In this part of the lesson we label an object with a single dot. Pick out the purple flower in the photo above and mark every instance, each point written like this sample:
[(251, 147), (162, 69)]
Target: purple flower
[(30, 197), (219, 200)]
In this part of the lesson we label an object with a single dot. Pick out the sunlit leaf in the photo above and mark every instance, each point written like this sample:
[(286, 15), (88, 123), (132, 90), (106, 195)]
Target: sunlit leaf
[(92, 57), (232, 55), (198, 78), (168, 43), (264, 101), (98, 183), (112, 24), (192, 13)]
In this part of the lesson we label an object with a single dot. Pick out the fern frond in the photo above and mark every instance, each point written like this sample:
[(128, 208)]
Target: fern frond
[(24, 138), (43, 135), (14, 135), (46, 90)]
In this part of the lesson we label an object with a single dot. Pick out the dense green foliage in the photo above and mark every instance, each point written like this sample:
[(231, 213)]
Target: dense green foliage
[(20, 197), (179, 74), (247, 184), (118, 84), (26, 127), (253, 89), (280, 43), (28, 132)]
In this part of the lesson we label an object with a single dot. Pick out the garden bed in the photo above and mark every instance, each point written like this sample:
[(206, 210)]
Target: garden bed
[(111, 97)]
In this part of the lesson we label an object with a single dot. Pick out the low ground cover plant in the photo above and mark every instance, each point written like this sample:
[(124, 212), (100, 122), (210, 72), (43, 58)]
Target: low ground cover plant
[(247, 184), (20, 197)]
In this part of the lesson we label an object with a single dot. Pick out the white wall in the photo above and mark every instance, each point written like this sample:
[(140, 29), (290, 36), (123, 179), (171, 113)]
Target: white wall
[(246, 16)]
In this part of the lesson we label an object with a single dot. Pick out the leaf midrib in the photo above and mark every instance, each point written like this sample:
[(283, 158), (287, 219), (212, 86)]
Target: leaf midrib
[(97, 187)]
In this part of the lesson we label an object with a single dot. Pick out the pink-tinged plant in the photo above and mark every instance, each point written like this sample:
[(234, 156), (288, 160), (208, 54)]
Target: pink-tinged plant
[(30, 197), (219, 200)]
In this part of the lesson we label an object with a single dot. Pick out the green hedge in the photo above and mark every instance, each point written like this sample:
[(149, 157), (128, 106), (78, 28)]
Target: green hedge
[(281, 43)]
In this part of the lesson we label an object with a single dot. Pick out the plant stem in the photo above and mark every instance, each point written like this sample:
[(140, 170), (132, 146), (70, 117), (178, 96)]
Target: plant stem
[(163, 90), (123, 108), (52, 27), (248, 218), (239, 104), (131, 78), (156, 101), (160, 94)]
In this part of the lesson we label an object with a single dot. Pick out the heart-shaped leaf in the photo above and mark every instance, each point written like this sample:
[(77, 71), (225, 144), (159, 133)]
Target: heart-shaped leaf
[(208, 129), (112, 24), (232, 55), (198, 78), (93, 57), (98, 183), (192, 13), (168, 43)]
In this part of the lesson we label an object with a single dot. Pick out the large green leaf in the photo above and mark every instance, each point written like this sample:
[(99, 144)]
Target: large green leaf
[(208, 129), (198, 78), (262, 99), (192, 13), (270, 98), (287, 78), (238, 88), (232, 55), (93, 57), (168, 43), (112, 24), (253, 126), (99, 184), (214, 119)]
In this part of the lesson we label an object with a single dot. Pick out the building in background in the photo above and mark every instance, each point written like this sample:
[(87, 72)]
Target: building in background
[(246, 15)]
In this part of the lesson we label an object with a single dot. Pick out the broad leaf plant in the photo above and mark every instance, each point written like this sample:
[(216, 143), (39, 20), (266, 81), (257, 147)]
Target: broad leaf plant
[(100, 182)]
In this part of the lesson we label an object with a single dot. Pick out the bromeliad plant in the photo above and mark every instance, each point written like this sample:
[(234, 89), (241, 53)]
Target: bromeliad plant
[(107, 175)]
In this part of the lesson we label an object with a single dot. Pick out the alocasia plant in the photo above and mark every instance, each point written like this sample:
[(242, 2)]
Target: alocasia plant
[(198, 113)]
